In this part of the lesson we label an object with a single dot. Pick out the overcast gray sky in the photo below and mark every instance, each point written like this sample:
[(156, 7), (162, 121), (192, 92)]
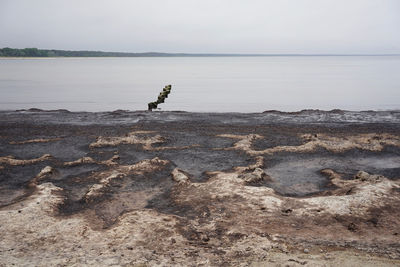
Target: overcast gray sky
[(203, 26)]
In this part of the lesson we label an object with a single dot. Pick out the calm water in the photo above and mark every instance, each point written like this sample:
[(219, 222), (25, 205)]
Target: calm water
[(217, 84)]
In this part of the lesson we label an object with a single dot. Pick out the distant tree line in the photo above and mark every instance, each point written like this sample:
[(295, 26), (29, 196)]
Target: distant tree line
[(34, 52), (26, 52)]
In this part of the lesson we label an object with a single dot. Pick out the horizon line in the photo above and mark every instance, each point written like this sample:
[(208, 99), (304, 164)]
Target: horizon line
[(155, 53)]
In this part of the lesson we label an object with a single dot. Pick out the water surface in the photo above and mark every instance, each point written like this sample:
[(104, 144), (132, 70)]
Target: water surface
[(205, 84)]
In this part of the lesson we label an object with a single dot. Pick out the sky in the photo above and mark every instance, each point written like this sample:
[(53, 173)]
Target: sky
[(204, 26)]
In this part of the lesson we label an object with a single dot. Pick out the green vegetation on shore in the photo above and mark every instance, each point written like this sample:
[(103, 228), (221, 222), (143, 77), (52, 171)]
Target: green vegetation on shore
[(34, 52)]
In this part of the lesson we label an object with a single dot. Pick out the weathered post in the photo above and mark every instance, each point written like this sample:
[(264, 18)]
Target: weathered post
[(161, 97)]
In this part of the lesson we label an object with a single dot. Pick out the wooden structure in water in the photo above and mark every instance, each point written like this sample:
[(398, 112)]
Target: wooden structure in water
[(161, 97)]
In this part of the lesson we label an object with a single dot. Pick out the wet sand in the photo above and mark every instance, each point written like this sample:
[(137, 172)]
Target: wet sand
[(174, 188)]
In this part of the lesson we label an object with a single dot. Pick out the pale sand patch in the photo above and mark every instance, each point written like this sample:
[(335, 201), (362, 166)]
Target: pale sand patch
[(130, 138), (133, 138), (371, 142), (11, 160), (179, 176), (31, 233), (88, 160), (39, 140)]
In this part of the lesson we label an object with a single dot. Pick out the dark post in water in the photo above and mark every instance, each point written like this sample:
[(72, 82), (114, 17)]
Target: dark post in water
[(161, 98)]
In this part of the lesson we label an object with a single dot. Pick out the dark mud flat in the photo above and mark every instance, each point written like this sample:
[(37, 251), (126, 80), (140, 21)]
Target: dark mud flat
[(177, 188)]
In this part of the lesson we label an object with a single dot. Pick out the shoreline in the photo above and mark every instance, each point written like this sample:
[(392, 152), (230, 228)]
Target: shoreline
[(265, 111), (335, 110), (121, 117)]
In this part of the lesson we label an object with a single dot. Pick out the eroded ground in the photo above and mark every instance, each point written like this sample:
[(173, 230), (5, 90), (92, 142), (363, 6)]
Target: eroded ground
[(193, 189)]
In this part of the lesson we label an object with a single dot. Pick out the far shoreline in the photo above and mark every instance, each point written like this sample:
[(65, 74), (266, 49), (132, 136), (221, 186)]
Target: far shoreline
[(305, 110), (207, 56)]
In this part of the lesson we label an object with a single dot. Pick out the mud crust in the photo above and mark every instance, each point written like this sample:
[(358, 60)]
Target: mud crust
[(190, 189)]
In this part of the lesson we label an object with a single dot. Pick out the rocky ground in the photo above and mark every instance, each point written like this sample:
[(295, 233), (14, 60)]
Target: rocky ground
[(123, 188)]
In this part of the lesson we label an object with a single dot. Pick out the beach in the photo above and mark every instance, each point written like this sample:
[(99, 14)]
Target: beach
[(313, 188)]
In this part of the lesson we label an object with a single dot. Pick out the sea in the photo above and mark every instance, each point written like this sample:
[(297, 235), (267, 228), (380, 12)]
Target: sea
[(202, 84)]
